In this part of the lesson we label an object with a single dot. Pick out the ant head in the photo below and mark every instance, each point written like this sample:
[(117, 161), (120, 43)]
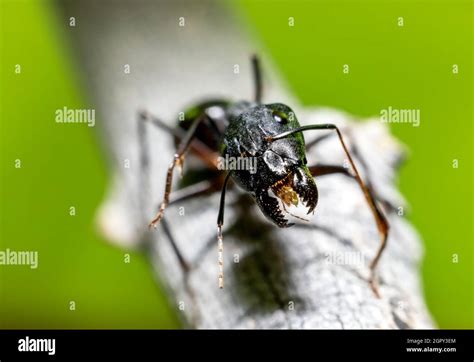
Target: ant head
[(282, 177), (286, 175)]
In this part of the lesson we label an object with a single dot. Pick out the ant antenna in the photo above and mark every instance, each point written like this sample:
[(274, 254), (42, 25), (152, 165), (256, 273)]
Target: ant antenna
[(257, 78)]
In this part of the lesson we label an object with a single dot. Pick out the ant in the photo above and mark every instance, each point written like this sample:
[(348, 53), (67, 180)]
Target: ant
[(273, 137)]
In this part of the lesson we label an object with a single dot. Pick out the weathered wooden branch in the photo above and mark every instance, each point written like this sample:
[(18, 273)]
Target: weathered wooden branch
[(309, 276)]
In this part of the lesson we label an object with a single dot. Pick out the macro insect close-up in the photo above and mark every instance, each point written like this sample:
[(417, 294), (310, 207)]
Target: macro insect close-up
[(293, 165), (272, 135)]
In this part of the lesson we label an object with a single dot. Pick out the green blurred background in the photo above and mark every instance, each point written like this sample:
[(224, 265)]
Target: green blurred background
[(402, 67)]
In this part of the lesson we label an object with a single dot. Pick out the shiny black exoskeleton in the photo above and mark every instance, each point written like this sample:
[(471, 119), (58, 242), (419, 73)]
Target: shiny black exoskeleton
[(240, 131)]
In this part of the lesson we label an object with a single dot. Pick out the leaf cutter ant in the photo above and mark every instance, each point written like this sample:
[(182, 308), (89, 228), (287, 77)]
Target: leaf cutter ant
[(272, 135)]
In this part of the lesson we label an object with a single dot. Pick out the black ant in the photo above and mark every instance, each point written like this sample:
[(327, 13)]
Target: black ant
[(269, 134)]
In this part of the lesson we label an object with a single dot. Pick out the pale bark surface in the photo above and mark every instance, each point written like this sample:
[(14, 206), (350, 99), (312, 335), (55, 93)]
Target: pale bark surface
[(284, 278)]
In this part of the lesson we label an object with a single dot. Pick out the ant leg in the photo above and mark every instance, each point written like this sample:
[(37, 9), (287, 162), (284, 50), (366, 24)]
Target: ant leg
[(178, 160), (257, 78), (189, 192), (220, 222), (322, 169), (144, 170), (146, 116), (197, 189), (380, 219), (200, 149), (200, 188), (309, 145), (144, 175), (314, 142), (184, 264), (144, 164)]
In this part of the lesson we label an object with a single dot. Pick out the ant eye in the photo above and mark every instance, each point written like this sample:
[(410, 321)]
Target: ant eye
[(280, 117), (305, 161)]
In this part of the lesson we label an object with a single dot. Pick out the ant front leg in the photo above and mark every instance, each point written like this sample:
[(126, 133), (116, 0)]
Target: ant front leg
[(178, 160), (198, 189), (321, 170)]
